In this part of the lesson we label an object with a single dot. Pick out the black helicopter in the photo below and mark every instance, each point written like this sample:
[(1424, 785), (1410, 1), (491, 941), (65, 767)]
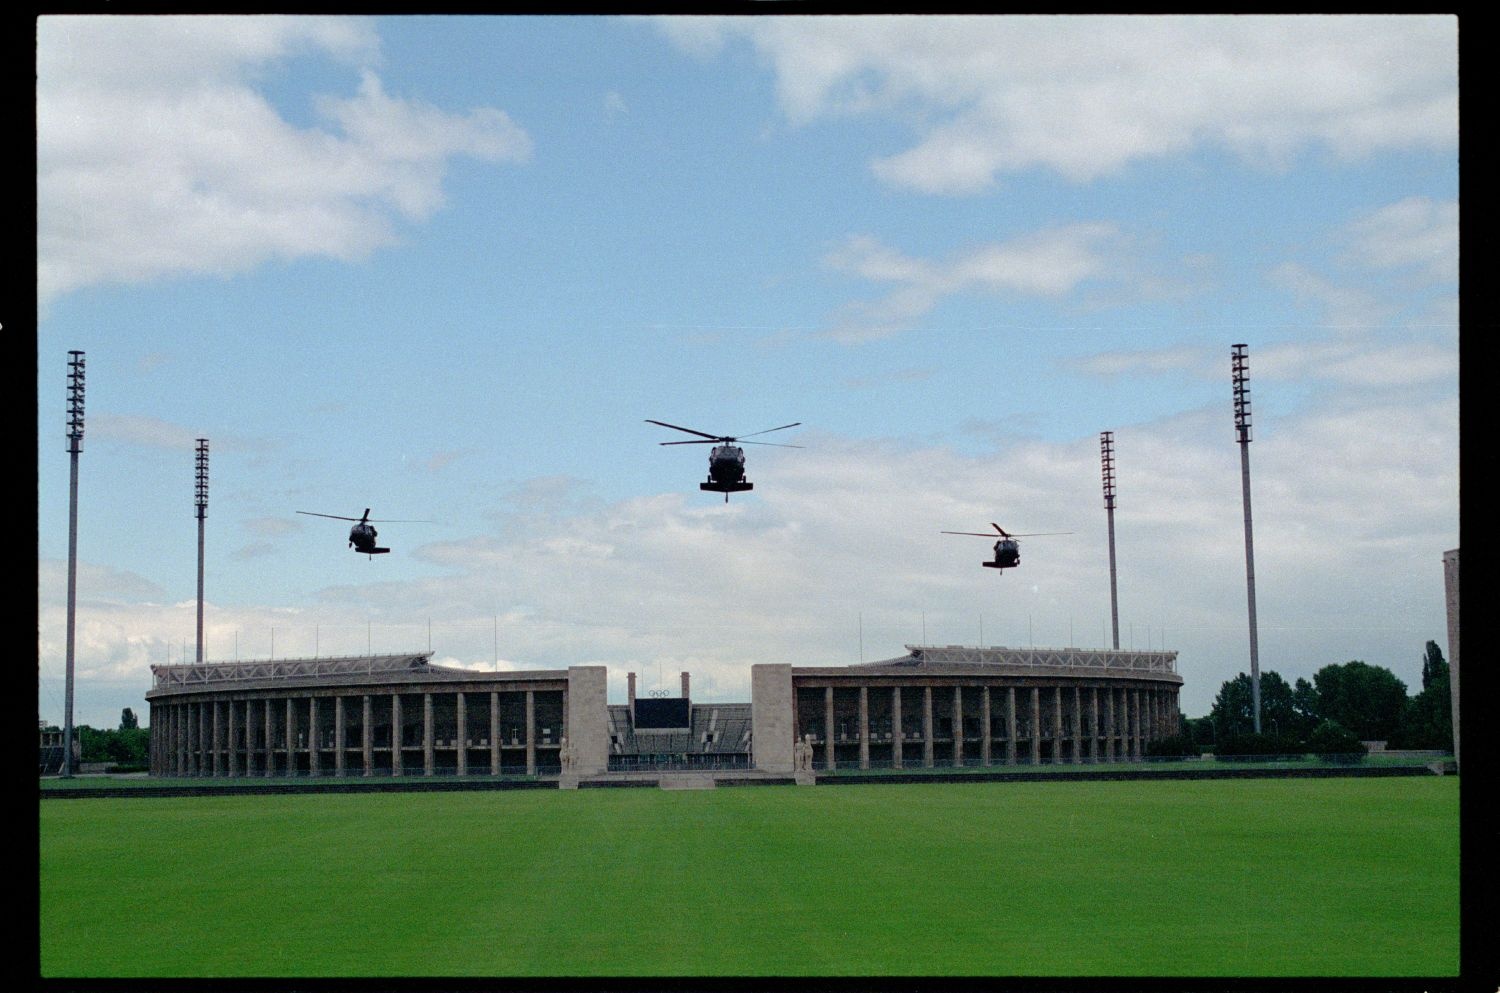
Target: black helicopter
[(362, 535), (1007, 549), (726, 460)]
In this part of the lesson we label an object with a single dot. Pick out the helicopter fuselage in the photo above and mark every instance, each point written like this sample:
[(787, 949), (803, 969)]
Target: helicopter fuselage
[(726, 471), (1007, 555), (726, 464), (362, 539)]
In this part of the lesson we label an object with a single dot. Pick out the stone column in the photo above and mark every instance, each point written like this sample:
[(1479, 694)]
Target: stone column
[(830, 759), (198, 752), (367, 736), (1036, 725), (773, 718), (191, 712), (530, 732), (1057, 724), (586, 719), (428, 757), (291, 738), (463, 733), (270, 739), (1077, 725), (927, 749), (1109, 725), (1450, 592), (1094, 724), (232, 756), (896, 735), (494, 733), (314, 744), (864, 727), (958, 727), (1138, 707), (398, 722), (249, 738), (339, 742), (1010, 725), (984, 726)]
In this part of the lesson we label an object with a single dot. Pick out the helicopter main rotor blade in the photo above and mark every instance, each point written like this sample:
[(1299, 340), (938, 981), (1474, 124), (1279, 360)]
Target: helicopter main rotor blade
[(773, 444), (1038, 534), (977, 534), (334, 516), (709, 441), (769, 430), (674, 427)]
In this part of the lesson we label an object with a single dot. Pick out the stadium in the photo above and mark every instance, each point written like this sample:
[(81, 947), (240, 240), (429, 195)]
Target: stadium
[(402, 715)]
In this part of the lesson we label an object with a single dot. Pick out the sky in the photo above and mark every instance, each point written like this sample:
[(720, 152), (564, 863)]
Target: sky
[(448, 267)]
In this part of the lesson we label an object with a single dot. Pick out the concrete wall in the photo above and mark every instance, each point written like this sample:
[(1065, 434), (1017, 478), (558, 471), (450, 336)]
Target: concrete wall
[(588, 718), (771, 717)]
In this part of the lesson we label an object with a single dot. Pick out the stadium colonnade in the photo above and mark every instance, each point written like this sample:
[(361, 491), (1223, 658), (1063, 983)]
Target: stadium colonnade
[(401, 715)]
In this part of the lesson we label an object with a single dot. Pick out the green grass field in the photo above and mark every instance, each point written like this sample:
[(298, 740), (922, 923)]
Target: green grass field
[(1341, 877)]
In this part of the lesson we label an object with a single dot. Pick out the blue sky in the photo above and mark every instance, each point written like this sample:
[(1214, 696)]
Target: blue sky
[(446, 267)]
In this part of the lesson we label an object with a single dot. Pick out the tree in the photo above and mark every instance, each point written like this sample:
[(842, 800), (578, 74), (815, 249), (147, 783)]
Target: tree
[(1434, 666), (1233, 712), (1335, 743), (1368, 700), (128, 720), (1305, 708), (1427, 721)]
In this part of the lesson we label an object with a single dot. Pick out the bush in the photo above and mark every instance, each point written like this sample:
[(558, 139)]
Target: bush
[(1335, 743), (1247, 746), (1176, 747)]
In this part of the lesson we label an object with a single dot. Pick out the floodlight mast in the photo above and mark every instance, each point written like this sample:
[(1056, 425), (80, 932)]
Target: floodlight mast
[(1107, 456), (75, 446), (201, 499), (1240, 367)]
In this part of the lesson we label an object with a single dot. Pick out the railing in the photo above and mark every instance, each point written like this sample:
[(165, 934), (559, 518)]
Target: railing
[(218, 672), (1055, 658)]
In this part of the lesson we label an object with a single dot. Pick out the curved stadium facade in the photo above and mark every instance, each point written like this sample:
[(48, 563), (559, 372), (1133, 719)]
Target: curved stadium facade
[(401, 715)]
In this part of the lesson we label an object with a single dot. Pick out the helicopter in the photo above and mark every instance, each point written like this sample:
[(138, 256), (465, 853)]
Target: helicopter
[(726, 460), (1007, 549), (362, 535)]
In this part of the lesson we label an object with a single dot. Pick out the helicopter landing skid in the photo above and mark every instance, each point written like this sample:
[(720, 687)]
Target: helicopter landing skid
[(726, 487), (994, 565)]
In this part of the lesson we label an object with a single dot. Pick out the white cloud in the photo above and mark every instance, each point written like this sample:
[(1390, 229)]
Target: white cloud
[(1085, 96), (133, 429), (158, 156), (1048, 263), (1416, 233), (1152, 361)]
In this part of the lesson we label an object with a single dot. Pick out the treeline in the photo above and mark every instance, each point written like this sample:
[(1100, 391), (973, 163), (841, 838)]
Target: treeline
[(1342, 706), (124, 747)]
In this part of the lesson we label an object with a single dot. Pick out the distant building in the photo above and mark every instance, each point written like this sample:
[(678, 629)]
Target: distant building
[(401, 715)]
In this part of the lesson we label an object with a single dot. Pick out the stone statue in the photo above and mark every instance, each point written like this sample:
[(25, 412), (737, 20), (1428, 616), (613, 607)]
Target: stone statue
[(565, 754)]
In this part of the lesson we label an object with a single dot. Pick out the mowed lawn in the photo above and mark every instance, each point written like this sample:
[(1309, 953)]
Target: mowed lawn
[(1333, 877)]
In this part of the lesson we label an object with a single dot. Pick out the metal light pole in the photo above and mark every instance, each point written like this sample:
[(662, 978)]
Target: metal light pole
[(1240, 365), (202, 504), (1107, 455), (75, 445)]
